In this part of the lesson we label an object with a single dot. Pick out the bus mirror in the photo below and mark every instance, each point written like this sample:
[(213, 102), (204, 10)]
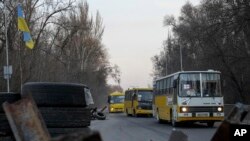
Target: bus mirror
[(134, 97), (108, 99), (175, 83)]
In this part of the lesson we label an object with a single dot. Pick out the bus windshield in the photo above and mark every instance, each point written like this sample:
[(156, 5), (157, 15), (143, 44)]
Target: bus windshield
[(191, 85), (211, 85), (117, 99), (145, 96)]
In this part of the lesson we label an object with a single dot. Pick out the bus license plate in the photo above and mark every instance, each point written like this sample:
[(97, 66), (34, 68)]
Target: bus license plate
[(202, 114)]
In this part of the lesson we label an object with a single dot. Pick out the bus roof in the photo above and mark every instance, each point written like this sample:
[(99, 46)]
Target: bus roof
[(180, 72), (116, 93), (145, 89)]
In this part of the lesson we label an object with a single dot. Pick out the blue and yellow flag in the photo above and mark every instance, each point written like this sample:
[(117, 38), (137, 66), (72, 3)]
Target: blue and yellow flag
[(22, 26)]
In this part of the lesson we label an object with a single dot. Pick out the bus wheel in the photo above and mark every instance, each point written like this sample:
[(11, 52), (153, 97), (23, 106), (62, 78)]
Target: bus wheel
[(127, 113), (158, 118), (210, 123), (134, 114)]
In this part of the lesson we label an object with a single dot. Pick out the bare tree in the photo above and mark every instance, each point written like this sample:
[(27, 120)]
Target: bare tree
[(68, 46), (213, 35)]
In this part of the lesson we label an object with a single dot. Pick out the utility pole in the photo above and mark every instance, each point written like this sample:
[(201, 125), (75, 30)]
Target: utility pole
[(181, 58), (166, 51), (7, 68)]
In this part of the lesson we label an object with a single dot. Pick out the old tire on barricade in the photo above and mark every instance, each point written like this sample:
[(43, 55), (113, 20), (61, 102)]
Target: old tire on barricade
[(100, 116), (4, 125), (7, 138), (54, 132), (9, 97), (5, 129), (55, 94), (60, 117)]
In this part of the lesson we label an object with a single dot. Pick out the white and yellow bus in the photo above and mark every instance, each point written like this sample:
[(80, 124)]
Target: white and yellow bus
[(138, 101), (189, 96), (116, 102)]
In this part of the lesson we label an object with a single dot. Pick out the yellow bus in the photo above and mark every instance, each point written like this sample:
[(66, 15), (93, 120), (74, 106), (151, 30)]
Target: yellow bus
[(189, 96), (138, 101), (116, 102)]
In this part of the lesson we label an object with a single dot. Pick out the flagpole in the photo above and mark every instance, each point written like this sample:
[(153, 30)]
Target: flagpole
[(21, 69), (7, 46)]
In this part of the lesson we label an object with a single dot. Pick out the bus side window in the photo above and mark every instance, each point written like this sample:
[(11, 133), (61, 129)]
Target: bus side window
[(158, 87), (129, 95), (175, 83), (171, 86), (161, 86), (134, 97), (125, 98), (175, 89), (168, 86), (164, 86)]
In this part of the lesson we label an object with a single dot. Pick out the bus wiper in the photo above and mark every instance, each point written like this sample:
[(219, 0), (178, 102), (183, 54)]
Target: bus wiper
[(187, 100), (189, 96)]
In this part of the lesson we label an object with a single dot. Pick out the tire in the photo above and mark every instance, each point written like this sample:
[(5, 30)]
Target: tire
[(54, 94), (9, 97), (100, 116), (5, 129), (59, 117), (54, 132), (158, 118), (129, 115), (7, 138), (134, 113), (210, 124)]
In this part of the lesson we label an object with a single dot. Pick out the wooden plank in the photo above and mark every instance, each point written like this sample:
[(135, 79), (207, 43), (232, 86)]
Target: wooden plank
[(26, 121)]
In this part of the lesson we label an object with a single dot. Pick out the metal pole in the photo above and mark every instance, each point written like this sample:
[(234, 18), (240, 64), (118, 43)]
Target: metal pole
[(181, 58), (166, 63), (7, 47), (21, 69)]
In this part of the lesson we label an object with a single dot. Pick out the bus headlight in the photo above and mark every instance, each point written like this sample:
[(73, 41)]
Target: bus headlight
[(112, 109), (219, 109), (184, 109)]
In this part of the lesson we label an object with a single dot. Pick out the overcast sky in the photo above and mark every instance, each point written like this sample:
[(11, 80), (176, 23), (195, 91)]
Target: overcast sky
[(134, 33)]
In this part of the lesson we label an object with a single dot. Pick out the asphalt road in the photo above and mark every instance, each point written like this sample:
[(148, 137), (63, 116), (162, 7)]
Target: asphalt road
[(119, 127)]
